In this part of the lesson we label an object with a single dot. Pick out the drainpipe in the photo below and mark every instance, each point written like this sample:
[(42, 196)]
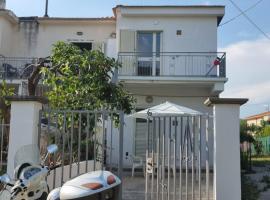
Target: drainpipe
[(46, 9)]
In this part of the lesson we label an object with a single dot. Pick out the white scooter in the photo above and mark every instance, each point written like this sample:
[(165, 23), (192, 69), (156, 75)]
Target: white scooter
[(96, 185), (29, 175)]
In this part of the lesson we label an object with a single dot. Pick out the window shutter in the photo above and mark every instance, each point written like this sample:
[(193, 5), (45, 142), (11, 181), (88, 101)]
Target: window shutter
[(127, 41)]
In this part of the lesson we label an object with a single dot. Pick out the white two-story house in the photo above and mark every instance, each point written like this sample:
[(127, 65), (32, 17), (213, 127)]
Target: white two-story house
[(168, 53)]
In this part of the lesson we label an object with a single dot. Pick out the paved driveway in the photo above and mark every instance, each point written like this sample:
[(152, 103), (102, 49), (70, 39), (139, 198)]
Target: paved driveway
[(134, 189)]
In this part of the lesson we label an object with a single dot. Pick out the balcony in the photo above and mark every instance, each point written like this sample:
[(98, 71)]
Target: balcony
[(172, 64), (14, 68)]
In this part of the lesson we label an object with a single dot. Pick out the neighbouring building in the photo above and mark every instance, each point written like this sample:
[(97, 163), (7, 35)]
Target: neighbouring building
[(258, 118), (168, 53)]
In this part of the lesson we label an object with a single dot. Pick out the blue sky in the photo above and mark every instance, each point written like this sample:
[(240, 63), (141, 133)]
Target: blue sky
[(248, 52)]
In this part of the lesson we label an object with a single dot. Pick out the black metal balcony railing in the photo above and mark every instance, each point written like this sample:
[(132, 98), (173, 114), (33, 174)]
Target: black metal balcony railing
[(16, 67), (186, 64)]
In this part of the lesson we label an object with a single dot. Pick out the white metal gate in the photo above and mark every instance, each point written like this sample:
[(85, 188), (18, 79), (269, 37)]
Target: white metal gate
[(178, 158), (81, 139)]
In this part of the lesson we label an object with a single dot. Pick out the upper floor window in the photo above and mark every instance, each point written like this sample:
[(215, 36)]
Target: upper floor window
[(83, 45)]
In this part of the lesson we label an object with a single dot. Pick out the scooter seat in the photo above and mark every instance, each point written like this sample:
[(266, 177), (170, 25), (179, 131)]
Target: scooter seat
[(89, 184)]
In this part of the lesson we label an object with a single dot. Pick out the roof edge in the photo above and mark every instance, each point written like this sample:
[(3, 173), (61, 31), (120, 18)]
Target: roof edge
[(9, 15), (216, 100), (169, 6), (77, 18), (258, 115), (219, 16)]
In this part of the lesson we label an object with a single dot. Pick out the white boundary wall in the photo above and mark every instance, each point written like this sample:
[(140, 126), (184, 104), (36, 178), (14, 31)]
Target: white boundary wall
[(23, 128), (227, 173)]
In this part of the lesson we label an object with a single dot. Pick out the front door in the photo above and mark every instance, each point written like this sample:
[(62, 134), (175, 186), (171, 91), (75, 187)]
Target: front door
[(148, 48)]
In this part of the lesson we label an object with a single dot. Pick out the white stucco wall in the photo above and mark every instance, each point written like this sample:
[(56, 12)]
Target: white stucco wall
[(199, 34), (227, 175), (23, 128), (92, 32), (111, 48), (7, 34), (34, 37), (113, 142), (49, 32)]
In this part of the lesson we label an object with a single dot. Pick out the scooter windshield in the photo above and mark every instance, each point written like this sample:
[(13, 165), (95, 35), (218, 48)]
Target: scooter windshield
[(27, 154)]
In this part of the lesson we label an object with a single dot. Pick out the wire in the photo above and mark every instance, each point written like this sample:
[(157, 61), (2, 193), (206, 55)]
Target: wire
[(232, 19), (247, 17)]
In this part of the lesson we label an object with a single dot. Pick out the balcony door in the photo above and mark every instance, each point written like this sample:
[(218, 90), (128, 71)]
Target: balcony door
[(148, 57)]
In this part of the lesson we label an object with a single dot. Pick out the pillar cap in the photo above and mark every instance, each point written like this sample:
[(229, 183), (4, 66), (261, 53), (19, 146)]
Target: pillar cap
[(39, 99), (216, 100)]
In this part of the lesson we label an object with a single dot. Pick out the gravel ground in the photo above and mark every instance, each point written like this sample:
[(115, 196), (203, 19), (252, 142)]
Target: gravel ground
[(257, 177)]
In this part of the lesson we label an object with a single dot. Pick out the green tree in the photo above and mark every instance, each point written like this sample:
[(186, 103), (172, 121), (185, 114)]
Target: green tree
[(258, 146), (245, 132), (5, 112), (83, 80), (264, 129), (245, 136), (5, 104)]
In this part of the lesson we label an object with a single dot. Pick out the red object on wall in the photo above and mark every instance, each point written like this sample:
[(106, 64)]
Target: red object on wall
[(217, 61)]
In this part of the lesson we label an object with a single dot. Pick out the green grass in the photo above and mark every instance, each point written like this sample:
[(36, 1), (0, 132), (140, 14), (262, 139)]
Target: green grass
[(260, 161)]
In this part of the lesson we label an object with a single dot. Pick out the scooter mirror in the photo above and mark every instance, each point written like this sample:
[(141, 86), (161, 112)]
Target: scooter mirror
[(5, 178), (52, 148)]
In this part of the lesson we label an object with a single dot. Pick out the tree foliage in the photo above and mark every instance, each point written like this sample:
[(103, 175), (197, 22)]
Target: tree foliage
[(263, 130), (5, 104), (83, 80), (245, 132), (258, 146)]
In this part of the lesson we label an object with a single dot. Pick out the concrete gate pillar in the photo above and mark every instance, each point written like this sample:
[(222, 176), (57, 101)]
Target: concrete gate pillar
[(227, 172), (23, 125)]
